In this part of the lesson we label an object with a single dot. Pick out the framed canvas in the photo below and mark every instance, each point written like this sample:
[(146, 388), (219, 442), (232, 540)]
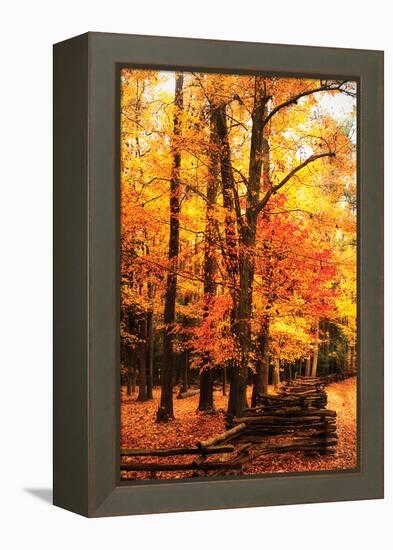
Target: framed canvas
[(218, 274)]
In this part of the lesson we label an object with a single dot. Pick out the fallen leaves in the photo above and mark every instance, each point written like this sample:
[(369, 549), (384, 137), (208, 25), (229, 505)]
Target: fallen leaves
[(139, 430)]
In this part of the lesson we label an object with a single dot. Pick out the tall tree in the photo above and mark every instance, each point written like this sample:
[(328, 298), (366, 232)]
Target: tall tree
[(283, 216), (247, 222), (230, 251), (261, 376), (209, 265), (165, 411)]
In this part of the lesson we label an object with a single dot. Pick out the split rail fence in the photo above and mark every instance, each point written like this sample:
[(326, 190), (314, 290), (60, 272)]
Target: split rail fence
[(294, 420)]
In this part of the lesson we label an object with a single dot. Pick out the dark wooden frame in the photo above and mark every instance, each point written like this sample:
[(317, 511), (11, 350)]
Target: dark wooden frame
[(86, 275)]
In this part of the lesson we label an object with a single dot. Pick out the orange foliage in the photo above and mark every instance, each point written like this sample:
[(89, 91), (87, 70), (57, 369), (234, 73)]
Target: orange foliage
[(270, 258)]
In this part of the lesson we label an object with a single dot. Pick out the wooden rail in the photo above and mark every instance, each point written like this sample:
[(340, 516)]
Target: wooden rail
[(178, 451), (203, 448), (298, 414)]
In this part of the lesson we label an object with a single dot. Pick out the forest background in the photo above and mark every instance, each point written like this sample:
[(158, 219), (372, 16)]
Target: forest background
[(238, 232)]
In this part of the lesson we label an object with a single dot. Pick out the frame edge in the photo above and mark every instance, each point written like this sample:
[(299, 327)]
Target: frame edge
[(70, 271)]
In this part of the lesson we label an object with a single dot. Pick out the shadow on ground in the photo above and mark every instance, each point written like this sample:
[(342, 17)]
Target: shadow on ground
[(44, 494)]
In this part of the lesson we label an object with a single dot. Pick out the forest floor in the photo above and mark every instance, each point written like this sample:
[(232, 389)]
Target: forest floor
[(139, 430)]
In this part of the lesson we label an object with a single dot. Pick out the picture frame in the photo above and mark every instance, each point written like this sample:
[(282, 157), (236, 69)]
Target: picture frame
[(86, 423)]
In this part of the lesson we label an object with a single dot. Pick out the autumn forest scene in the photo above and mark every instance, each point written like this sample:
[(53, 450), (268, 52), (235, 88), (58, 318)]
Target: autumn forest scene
[(238, 274)]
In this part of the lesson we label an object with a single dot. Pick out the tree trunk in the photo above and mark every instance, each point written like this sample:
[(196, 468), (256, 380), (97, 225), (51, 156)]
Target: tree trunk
[(129, 386), (347, 360), (142, 395), (290, 375), (307, 370), (315, 355), (243, 320), (241, 265), (353, 358), (261, 376), (224, 380), (184, 378), (150, 354), (150, 337), (209, 264), (131, 373), (165, 411), (206, 391), (276, 374), (259, 158), (133, 379), (234, 393), (219, 124), (220, 132)]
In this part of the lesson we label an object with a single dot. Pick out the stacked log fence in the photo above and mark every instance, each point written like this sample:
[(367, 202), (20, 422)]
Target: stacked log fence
[(294, 420), (311, 431), (327, 378), (217, 445)]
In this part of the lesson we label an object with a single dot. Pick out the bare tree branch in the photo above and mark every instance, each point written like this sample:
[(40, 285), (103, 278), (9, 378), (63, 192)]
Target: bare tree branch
[(294, 171), (293, 100)]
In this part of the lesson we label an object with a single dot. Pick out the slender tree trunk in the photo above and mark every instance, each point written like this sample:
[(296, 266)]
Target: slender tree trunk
[(276, 375), (150, 354), (346, 358), (142, 395), (264, 389), (178, 373), (184, 380), (315, 354), (165, 411), (209, 265), (307, 371), (353, 359), (224, 380), (220, 131), (259, 158), (243, 321), (261, 379), (128, 351), (243, 263), (236, 401), (261, 376), (131, 375), (129, 386)]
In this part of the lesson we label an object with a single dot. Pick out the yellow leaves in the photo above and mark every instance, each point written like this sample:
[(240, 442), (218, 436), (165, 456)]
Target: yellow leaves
[(289, 338), (310, 268)]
